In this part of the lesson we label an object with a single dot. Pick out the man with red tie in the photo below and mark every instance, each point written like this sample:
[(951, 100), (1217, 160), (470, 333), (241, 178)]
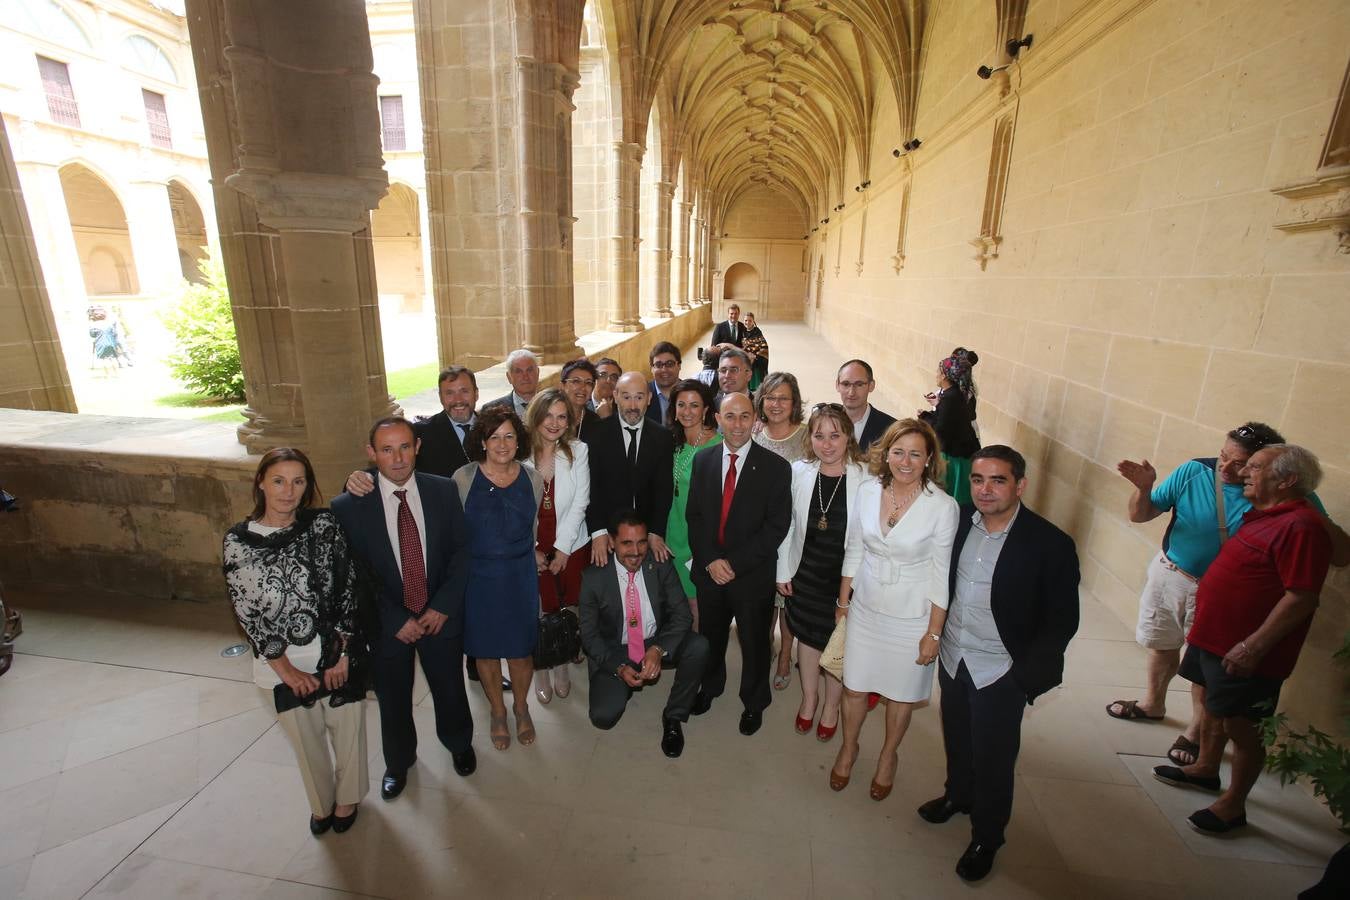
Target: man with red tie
[(410, 533), (740, 504), (635, 621)]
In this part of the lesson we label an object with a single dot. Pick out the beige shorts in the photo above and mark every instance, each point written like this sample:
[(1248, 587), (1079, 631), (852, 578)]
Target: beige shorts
[(1166, 608)]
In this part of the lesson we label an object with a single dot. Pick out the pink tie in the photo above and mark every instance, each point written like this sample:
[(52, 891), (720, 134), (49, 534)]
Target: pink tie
[(634, 604)]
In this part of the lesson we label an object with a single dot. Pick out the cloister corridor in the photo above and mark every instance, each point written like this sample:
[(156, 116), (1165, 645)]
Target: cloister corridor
[(145, 765)]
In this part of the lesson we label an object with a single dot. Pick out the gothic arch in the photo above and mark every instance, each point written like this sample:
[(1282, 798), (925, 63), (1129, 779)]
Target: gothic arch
[(98, 223)]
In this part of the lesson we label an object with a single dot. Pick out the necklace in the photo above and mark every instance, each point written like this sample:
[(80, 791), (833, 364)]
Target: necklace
[(548, 494), (682, 471), (823, 523), (897, 504)]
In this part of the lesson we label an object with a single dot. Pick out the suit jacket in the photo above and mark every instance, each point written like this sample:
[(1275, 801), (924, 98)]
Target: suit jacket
[(728, 333), (571, 496), (1034, 597), (508, 401), (586, 427), (804, 474), (650, 488), (602, 611), (654, 404), (441, 452), (877, 423), (447, 551), (757, 522)]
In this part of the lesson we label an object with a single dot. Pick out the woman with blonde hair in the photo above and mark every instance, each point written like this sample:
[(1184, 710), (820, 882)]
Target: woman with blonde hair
[(894, 591), (811, 558), (563, 463)]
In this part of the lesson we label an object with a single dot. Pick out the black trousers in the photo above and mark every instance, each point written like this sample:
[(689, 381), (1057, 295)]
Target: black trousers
[(609, 694), (754, 627), (442, 659), (982, 732)]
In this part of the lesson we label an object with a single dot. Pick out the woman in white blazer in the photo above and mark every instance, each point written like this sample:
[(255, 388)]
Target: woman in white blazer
[(811, 558), (894, 591), (564, 464)]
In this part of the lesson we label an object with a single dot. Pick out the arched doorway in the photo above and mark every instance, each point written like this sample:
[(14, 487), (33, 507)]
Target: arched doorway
[(595, 128), (189, 230), (396, 230), (99, 225), (741, 283)]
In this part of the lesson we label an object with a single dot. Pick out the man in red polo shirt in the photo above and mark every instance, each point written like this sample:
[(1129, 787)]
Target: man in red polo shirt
[(1253, 609)]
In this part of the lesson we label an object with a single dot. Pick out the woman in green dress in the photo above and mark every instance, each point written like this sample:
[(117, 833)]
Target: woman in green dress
[(690, 420)]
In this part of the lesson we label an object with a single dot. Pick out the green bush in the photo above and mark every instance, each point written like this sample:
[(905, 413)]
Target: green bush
[(207, 360)]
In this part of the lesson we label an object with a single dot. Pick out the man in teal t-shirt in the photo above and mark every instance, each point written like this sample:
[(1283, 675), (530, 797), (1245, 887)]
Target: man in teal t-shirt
[(1189, 545)]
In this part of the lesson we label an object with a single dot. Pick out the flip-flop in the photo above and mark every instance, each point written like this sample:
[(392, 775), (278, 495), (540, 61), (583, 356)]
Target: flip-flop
[(1129, 711), (1183, 745)]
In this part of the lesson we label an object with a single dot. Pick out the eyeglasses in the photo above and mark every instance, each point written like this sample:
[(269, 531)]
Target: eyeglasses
[(854, 385), (665, 364), (611, 377), (1247, 433), (838, 406), (582, 382)]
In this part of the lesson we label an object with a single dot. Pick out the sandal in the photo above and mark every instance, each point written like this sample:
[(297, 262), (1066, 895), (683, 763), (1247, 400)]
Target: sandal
[(780, 682), (1129, 711), (1181, 747), (499, 732), (524, 728)]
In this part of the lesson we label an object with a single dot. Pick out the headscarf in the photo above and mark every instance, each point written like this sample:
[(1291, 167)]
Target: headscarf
[(957, 370)]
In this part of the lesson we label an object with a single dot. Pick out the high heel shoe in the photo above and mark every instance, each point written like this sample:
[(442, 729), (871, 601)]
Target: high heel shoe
[(838, 782), (872, 701), (802, 725), (825, 732), (562, 682), (543, 689), (879, 792)]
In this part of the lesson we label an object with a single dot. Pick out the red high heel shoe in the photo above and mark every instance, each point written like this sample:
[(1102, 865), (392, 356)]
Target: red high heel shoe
[(872, 701), (803, 725), (825, 732)]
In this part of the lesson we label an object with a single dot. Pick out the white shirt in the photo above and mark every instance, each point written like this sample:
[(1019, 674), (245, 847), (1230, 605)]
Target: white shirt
[(520, 403), (414, 499), (971, 633), (468, 426), (861, 425), (629, 436), (644, 604), (740, 459)]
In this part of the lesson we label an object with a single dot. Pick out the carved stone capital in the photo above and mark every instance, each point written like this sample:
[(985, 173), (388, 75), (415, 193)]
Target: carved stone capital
[(306, 201), (986, 248), (1322, 202)]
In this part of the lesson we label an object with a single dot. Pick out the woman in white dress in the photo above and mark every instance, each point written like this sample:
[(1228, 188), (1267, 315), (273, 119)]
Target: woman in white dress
[(894, 591)]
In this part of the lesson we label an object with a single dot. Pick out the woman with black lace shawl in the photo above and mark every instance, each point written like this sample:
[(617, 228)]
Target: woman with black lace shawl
[(293, 587)]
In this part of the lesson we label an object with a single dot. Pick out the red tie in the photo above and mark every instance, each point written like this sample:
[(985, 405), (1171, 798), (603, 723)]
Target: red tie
[(635, 629), (728, 491), (410, 557)]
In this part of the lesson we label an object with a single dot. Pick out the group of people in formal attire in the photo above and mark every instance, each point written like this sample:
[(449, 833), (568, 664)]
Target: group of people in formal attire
[(892, 553)]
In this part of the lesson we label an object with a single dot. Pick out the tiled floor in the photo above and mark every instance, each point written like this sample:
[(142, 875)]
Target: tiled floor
[(135, 762)]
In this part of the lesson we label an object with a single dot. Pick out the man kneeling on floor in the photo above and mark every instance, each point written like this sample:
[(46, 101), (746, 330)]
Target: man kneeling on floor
[(1253, 608), (635, 620)]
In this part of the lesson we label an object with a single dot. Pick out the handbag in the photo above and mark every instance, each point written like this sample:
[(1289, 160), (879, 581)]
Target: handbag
[(832, 657), (559, 638)]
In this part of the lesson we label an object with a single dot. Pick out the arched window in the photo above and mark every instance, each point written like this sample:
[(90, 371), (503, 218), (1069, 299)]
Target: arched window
[(46, 19), (140, 54)]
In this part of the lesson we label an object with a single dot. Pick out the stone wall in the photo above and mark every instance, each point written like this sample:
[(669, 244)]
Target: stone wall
[(124, 505), (1134, 296)]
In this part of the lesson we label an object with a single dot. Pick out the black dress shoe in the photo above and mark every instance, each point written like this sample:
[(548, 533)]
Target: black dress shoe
[(466, 763), (392, 785), (750, 722), (343, 823), (702, 703), (940, 810), (976, 862), (506, 685), (319, 826), (672, 738)]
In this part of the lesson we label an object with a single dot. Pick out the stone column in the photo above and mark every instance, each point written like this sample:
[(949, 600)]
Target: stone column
[(682, 258), (153, 241), (60, 258), (696, 276), (627, 206), (309, 158), (32, 368), (665, 195)]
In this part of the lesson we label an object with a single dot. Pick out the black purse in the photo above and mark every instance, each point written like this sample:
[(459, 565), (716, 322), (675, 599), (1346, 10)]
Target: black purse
[(559, 639)]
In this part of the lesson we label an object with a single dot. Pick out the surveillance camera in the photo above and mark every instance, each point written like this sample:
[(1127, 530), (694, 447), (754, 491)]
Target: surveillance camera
[(1014, 46), (984, 72), (896, 153), (912, 144)]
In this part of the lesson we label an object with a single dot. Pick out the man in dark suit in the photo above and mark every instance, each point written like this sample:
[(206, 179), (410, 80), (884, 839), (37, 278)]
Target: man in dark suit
[(731, 332), (632, 467), (855, 385), (441, 437), (733, 375), (665, 361), (522, 372), (739, 508), (635, 620), (1013, 585), (411, 532)]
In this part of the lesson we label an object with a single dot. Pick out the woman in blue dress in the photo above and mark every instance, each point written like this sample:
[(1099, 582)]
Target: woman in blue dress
[(501, 603)]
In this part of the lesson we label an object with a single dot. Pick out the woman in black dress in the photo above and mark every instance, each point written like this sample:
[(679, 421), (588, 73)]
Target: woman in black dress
[(811, 556), (954, 419)]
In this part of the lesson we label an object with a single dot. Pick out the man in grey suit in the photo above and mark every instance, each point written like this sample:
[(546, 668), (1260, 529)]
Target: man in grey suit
[(635, 620)]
